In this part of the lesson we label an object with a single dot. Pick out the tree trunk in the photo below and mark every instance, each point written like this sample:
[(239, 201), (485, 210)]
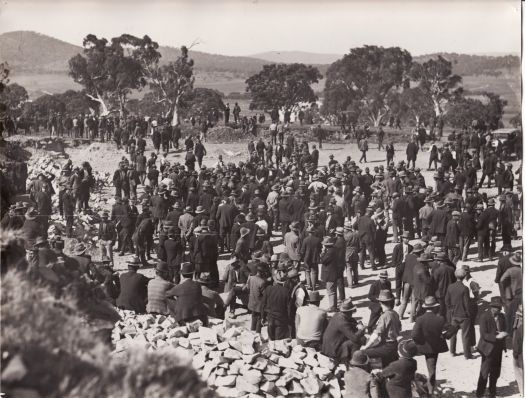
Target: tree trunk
[(176, 114), (437, 107), (103, 108)]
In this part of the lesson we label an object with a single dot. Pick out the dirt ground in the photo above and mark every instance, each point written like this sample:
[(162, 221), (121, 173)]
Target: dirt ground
[(456, 376)]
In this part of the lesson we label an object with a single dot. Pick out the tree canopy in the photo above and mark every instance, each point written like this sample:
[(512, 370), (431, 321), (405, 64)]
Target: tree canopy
[(368, 75), (486, 110), (110, 70), (282, 86), (14, 96), (435, 77)]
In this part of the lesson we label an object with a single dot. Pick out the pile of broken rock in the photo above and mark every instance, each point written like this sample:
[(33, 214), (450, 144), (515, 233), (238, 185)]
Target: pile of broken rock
[(236, 362)]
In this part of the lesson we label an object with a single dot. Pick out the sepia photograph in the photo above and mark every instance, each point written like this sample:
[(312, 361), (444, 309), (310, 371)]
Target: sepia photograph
[(261, 198)]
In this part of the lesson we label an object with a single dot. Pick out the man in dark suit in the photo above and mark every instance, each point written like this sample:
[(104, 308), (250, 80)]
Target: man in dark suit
[(487, 228), (398, 262), (329, 271), (189, 305), (310, 254), (285, 212), (423, 286), (491, 345), (225, 216), (458, 312), (366, 230), (133, 289), (442, 276), (428, 336), (439, 219), (343, 335), (275, 307), (408, 282)]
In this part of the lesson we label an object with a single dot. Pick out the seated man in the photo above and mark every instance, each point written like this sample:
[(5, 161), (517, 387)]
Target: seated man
[(133, 288), (235, 277), (343, 335), (189, 305), (212, 300), (383, 341), (310, 322), (157, 288)]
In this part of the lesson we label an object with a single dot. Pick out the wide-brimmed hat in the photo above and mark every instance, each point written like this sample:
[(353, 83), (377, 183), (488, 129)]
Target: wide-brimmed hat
[(31, 214), (406, 235), (515, 259), (199, 210), (339, 230), (260, 232), (187, 268), (424, 258), (244, 231), (348, 306), (135, 262), (385, 295), (496, 302), (294, 226), (106, 260), (407, 348), (491, 202), (314, 296), (328, 241), (383, 274), (359, 358), (162, 266), (79, 249), (418, 248), (40, 240), (430, 302), (348, 225), (250, 217)]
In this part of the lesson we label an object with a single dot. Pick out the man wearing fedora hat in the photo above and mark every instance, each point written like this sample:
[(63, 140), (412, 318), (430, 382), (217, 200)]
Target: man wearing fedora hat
[(133, 288), (343, 335), (255, 286), (352, 247), (382, 343), (242, 247), (43, 255), (458, 312), (310, 255), (212, 300), (408, 282), (381, 283), (189, 305), (492, 329), (330, 271), (423, 285), (359, 381), (275, 309), (512, 279), (400, 373), (487, 228), (439, 219), (285, 212), (366, 231), (442, 277), (157, 288), (428, 336)]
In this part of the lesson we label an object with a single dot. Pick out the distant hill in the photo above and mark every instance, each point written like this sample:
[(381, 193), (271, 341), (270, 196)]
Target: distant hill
[(475, 65), (289, 57), (40, 63)]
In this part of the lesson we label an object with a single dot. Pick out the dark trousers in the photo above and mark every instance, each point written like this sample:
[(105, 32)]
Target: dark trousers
[(284, 227), (465, 331), (366, 246), (363, 156), (464, 245), (311, 276), (490, 369), (256, 322), (375, 313), (352, 272), (278, 330), (341, 287), (387, 352), (431, 360)]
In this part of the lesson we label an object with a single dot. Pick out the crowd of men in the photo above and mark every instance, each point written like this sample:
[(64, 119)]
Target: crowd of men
[(334, 220)]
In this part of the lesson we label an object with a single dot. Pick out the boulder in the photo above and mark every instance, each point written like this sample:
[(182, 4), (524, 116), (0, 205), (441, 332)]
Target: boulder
[(225, 381)]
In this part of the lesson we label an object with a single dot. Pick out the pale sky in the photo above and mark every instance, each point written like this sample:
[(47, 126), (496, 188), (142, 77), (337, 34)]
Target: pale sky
[(235, 27)]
